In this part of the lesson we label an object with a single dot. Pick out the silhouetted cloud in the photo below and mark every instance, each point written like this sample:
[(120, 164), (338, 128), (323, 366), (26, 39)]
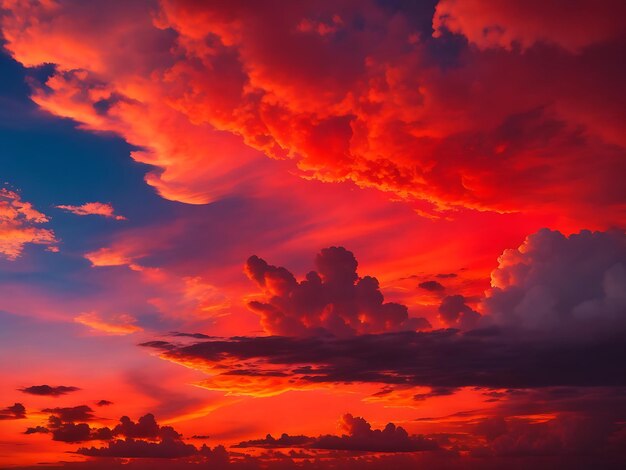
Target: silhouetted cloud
[(53, 391), (455, 313), (359, 437), (15, 411), (432, 286), (71, 414), (444, 358)]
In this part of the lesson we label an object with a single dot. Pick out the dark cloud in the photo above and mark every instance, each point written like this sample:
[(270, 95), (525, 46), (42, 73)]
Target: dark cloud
[(558, 283), (359, 437), (146, 427), (285, 440), (432, 286), (37, 430), (446, 275), (15, 411), (70, 432), (71, 414), (190, 335), (104, 403), (136, 448), (445, 358), (49, 390), (455, 313), (332, 299)]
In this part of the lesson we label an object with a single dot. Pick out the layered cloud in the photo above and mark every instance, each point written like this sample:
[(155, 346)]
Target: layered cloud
[(446, 358), (20, 224), (93, 208), (390, 107), (332, 299)]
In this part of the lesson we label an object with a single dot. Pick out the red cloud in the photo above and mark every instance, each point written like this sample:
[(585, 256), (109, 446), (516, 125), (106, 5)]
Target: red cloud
[(347, 93), (491, 23)]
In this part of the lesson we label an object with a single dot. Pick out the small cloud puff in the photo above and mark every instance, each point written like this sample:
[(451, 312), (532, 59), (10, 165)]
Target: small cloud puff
[(93, 208)]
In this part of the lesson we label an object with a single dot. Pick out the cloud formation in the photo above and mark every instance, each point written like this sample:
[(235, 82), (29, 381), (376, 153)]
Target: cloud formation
[(423, 117), (53, 391), (19, 225), (103, 209), (120, 324), (359, 436), (15, 411), (445, 358), (455, 313), (559, 282), (332, 299)]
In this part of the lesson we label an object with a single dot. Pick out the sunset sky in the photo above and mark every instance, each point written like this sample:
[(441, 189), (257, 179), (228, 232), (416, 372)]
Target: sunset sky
[(344, 234)]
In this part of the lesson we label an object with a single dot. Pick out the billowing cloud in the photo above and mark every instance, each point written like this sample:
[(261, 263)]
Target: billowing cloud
[(455, 313), (333, 299), (359, 436), (15, 411), (559, 282), (53, 391), (119, 324), (20, 225), (93, 208), (390, 107)]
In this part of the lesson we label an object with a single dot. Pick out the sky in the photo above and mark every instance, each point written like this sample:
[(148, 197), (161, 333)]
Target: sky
[(373, 234)]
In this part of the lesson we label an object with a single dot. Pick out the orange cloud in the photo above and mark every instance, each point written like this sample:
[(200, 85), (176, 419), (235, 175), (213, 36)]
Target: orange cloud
[(19, 222), (93, 208), (119, 324)]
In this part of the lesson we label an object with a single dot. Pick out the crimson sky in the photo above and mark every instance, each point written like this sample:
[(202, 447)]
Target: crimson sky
[(369, 234)]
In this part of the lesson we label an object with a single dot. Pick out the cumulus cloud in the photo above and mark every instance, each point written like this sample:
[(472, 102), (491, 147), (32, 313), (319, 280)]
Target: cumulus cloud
[(15, 411), (53, 391), (359, 436), (128, 439), (19, 225), (559, 282), (333, 299), (455, 313), (93, 208)]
